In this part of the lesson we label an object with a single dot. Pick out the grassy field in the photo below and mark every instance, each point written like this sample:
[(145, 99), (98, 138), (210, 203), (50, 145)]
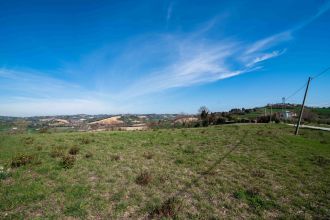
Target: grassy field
[(231, 171)]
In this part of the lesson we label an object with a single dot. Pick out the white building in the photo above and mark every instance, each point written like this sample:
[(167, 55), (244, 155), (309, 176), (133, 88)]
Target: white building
[(287, 114)]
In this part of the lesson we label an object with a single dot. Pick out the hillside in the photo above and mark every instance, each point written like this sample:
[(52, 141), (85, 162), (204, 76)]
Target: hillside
[(115, 120), (219, 172)]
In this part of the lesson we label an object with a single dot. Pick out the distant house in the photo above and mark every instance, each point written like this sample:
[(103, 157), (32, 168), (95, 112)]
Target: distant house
[(287, 115)]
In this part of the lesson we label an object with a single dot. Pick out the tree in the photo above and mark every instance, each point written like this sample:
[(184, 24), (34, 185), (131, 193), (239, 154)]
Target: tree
[(204, 112)]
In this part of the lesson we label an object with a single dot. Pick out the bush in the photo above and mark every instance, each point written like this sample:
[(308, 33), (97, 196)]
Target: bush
[(74, 150), (144, 178), (67, 161), (21, 160)]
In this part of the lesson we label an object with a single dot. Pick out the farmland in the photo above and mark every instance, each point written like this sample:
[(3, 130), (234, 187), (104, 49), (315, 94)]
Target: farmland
[(226, 171)]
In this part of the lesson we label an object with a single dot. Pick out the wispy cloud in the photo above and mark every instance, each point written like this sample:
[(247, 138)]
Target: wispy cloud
[(150, 64), (286, 35), (169, 12), (36, 84)]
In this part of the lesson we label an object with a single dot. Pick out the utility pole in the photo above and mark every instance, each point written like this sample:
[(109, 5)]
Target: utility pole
[(302, 107), (271, 112)]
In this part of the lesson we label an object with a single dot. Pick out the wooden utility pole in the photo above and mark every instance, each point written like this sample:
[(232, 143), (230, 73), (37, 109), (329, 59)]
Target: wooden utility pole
[(271, 112), (302, 107)]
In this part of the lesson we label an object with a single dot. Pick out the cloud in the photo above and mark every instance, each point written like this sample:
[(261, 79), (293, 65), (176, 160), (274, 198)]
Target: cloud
[(41, 107), (147, 65), (194, 61), (266, 56), (169, 12), (268, 42), (286, 35), (35, 84)]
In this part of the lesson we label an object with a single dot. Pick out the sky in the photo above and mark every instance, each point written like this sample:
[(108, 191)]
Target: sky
[(116, 57)]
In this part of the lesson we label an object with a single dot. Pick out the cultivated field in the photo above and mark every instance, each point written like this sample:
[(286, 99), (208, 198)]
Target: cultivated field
[(229, 171)]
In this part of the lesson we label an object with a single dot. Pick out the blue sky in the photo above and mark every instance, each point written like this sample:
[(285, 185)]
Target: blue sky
[(69, 57)]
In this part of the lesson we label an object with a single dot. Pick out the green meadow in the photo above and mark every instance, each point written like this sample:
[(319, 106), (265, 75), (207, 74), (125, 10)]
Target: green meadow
[(229, 171)]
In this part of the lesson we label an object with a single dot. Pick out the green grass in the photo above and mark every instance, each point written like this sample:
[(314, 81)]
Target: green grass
[(230, 171)]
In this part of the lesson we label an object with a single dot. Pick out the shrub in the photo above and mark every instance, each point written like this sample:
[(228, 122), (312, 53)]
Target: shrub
[(74, 150), (21, 160), (67, 161), (144, 178)]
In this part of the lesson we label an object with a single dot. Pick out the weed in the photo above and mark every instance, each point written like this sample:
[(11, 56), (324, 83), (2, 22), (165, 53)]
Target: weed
[(74, 150), (22, 160), (144, 178), (68, 161), (169, 209), (254, 199), (4, 174)]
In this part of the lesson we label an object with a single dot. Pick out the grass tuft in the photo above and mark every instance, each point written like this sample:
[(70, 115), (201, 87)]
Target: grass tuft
[(74, 150), (88, 155), (21, 160), (28, 140), (115, 157), (67, 161), (85, 140), (148, 155), (56, 152), (320, 161), (258, 173), (144, 178), (169, 209)]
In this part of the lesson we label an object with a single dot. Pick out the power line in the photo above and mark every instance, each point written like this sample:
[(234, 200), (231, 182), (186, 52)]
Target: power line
[(293, 94), (321, 73), (303, 86)]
